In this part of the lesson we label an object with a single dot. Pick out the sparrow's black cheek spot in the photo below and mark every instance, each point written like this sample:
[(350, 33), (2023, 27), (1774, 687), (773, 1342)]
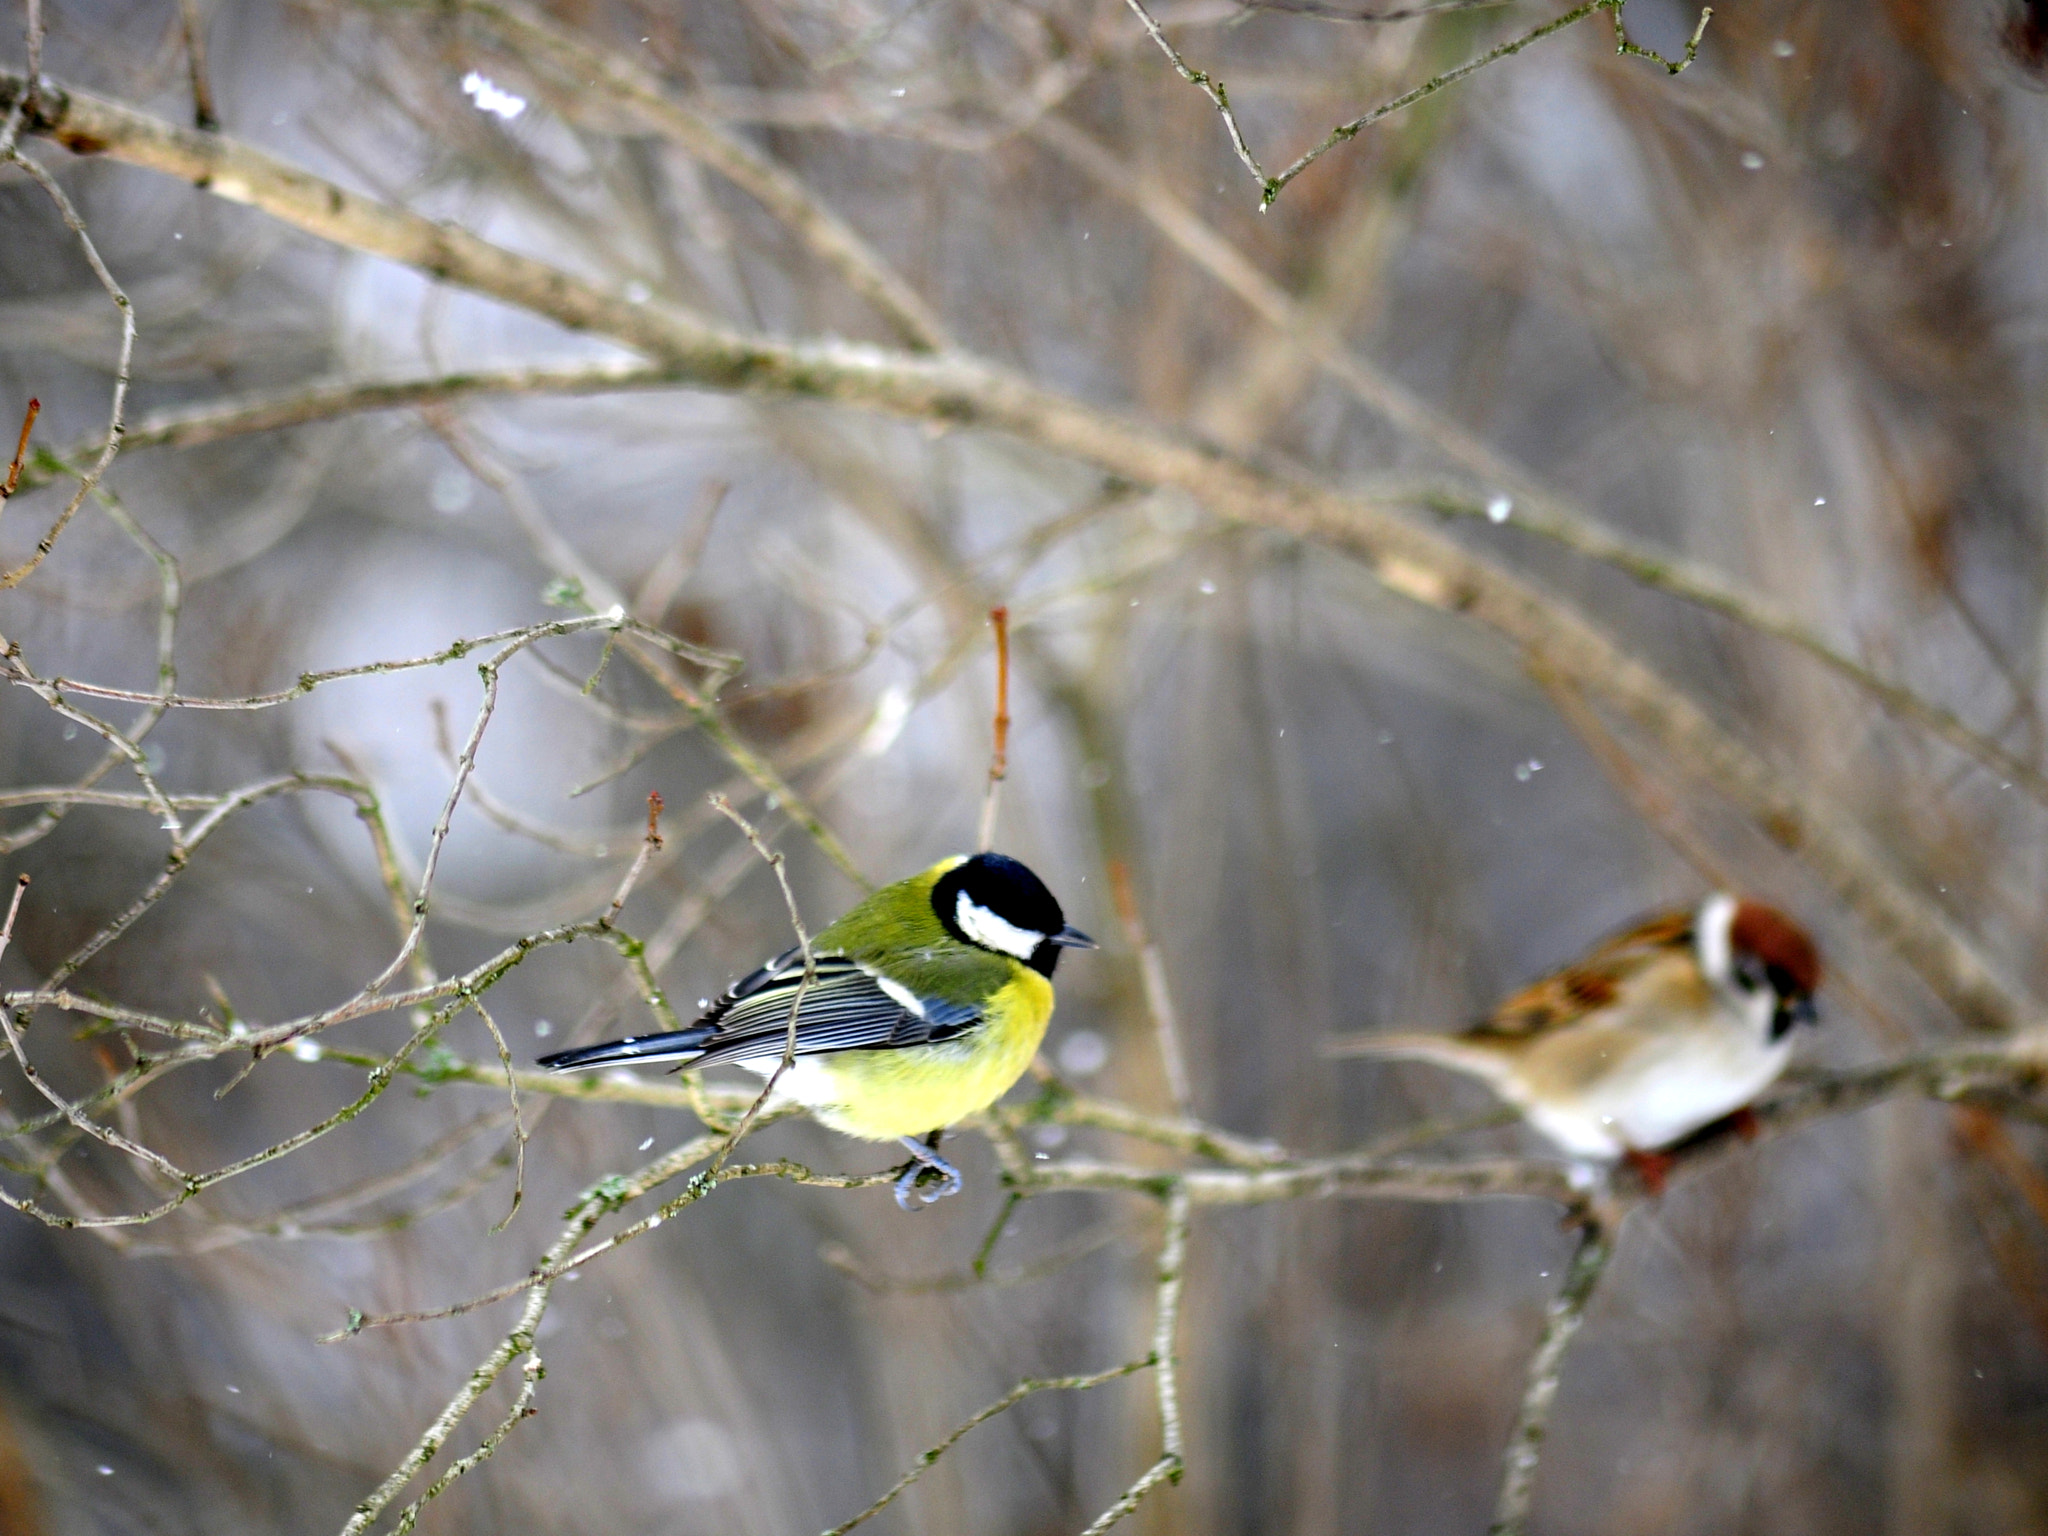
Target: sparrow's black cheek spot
[(1789, 1014)]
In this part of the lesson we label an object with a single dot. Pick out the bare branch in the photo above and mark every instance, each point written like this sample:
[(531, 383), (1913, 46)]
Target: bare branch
[(1158, 997), (522, 1408), (649, 846), (999, 752), (1561, 1322), (774, 861), (205, 116), (518, 1122), (28, 422), (1217, 93), (1003, 1404), (1270, 186), (92, 476)]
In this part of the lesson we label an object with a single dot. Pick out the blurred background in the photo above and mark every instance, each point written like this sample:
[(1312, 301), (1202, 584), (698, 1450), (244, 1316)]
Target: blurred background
[(1785, 315)]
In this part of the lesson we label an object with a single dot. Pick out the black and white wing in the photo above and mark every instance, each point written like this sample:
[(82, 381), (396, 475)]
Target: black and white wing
[(847, 1007)]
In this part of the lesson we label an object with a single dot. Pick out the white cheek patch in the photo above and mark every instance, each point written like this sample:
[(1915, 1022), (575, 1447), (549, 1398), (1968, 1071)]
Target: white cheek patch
[(1712, 938), (992, 932)]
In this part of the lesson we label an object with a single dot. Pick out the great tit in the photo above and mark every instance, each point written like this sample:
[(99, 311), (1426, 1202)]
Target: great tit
[(927, 1001)]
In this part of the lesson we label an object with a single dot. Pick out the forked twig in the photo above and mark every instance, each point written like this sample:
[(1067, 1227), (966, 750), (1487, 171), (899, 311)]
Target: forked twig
[(1270, 185), (1026, 1388), (522, 1408)]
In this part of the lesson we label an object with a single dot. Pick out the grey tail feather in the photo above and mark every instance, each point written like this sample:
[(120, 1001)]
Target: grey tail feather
[(677, 1045), (1439, 1050)]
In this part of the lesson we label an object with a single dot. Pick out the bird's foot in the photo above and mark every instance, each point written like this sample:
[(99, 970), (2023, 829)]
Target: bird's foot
[(926, 1164), (1653, 1168)]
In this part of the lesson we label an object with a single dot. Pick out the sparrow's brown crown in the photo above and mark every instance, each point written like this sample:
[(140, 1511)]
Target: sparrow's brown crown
[(1788, 955)]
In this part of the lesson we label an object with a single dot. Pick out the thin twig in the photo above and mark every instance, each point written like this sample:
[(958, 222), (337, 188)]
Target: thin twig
[(679, 561), (1532, 1422), (116, 411), (1325, 11), (1346, 131), (1170, 1277), (1158, 999), (774, 861), (700, 1186), (204, 115), (1270, 186), (1648, 796), (999, 753), (511, 820), (518, 1123), (26, 107), (13, 908), (588, 1211), (522, 1408), (28, 421), (1003, 1404), (650, 845), (1209, 86)]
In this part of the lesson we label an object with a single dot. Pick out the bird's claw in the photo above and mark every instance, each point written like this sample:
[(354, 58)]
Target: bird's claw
[(925, 1163)]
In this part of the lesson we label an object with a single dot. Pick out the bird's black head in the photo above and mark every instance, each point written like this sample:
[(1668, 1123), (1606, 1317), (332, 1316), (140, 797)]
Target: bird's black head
[(993, 902)]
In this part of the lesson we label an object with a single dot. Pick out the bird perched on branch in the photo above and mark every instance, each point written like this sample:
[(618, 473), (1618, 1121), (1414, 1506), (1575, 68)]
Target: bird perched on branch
[(1656, 1033), (925, 1003)]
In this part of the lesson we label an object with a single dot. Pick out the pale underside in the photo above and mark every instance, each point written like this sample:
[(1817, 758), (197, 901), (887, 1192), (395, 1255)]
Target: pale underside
[(1668, 1055), (881, 1095)]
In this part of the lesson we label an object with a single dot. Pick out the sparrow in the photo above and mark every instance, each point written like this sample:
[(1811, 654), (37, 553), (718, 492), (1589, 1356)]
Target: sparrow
[(1659, 1031)]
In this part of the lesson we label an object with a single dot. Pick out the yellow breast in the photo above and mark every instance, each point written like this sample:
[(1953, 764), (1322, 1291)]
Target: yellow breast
[(881, 1095)]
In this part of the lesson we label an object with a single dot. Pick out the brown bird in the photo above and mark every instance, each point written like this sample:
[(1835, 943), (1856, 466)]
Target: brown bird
[(1657, 1032)]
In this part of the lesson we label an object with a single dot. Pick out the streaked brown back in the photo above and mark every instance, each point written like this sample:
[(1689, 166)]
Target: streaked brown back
[(1590, 984)]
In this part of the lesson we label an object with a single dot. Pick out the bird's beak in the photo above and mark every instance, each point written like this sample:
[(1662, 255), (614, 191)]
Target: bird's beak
[(1071, 937), (1803, 1011)]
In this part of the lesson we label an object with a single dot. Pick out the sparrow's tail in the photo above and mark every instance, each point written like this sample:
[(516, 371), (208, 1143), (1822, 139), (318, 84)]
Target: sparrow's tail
[(678, 1045), (1451, 1051)]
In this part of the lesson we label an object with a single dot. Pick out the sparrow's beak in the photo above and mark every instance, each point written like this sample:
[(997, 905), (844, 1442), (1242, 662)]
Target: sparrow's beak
[(1071, 937), (1801, 1010)]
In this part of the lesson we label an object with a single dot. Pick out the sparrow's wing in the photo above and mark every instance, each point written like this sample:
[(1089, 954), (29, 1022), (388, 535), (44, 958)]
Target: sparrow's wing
[(1587, 986), (847, 1007)]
